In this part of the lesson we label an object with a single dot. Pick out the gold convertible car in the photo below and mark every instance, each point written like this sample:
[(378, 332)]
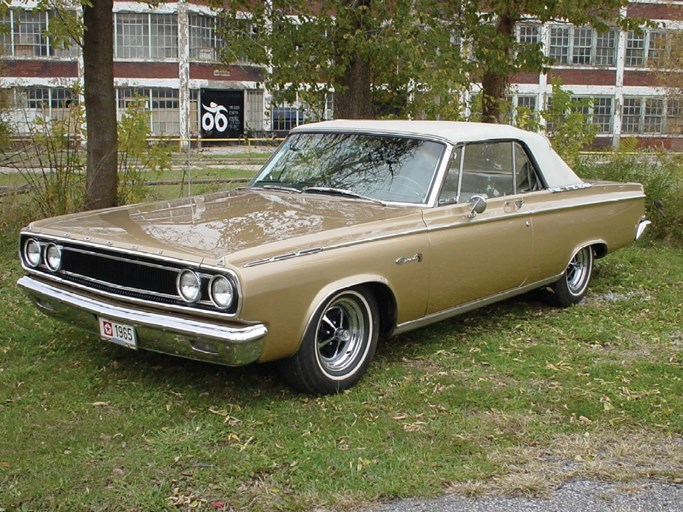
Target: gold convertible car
[(353, 230)]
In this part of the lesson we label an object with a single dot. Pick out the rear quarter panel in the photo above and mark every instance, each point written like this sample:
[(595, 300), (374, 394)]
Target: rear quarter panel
[(565, 221)]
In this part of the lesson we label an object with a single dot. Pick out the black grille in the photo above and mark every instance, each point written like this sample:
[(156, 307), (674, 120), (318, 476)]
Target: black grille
[(127, 275)]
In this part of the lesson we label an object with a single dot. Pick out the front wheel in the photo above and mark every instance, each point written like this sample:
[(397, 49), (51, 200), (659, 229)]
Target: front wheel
[(571, 287), (338, 344)]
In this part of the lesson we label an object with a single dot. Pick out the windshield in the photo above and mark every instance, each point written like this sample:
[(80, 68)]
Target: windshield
[(385, 168)]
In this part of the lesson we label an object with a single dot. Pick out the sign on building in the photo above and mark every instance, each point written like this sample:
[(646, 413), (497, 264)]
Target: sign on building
[(222, 114)]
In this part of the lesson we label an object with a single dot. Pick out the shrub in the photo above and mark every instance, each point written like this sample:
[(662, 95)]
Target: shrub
[(137, 157), (52, 159), (662, 177), (52, 162)]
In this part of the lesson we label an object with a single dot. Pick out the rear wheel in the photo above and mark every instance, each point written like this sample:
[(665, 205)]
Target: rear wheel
[(338, 344), (571, 287)]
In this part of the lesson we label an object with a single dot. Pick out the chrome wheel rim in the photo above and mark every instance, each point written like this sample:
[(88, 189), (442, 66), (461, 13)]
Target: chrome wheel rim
[(578, 271), (341, 334)]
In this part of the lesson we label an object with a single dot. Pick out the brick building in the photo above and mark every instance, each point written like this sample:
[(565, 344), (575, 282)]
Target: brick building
[(168, 57)]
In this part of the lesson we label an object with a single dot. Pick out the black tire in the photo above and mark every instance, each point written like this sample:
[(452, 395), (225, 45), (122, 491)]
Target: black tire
[(571, 288), (338, 345)]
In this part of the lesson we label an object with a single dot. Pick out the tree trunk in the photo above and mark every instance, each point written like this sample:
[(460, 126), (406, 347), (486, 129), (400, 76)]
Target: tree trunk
[(100, 105), (494, 84), (354, 101)]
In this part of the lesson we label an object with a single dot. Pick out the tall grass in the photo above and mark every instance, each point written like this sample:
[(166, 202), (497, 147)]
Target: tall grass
[(662, 177)]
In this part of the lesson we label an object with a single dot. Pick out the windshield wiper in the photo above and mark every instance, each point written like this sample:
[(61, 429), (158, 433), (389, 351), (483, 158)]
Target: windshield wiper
[(342, 192), (277, 187)]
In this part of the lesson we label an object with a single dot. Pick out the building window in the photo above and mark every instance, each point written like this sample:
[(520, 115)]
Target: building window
[(528, 34), (286, 115), (524, 109), (559, 45), (602, 114), (635, 49), (253, 115), (653, 118), (630, 121), (23, 35), (606, 48), (49, 103), (205, 43), (131, 96), (526, 101), (163, 32), (132, 40), (644, 115), (329, 106), (657, 47), (583, 45), (29, 38), (674, 116), (144, 36), (162, 104), (6, 34), (651, 47), (61, 98), (195, 112), (165, 112), (597, 110)]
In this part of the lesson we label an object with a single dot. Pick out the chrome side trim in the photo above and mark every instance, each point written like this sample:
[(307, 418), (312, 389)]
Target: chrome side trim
[(464, 308), (566, 188), (285, 256), (231, 345), (427, 229)]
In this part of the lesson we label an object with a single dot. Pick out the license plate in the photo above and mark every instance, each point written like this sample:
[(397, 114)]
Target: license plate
[(121, 334)]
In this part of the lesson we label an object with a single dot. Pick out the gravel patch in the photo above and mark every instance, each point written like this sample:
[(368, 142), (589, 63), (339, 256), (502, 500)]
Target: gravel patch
[(579, 496)]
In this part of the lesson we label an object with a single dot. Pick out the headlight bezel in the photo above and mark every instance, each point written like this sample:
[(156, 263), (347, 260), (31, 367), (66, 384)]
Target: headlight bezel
[(194, 298), (218, 280), (47, 257), (25, 253)]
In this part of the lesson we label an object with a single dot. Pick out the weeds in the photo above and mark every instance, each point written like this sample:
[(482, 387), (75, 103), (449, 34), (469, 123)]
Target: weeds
[(139, 160), (662, 177), (51, 161)]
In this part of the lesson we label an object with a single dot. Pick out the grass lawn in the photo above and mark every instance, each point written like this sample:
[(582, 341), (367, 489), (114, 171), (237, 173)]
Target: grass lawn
[(513, 398), (193, 181)]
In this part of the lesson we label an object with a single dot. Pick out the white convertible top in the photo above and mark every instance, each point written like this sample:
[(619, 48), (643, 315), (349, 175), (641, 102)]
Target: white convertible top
[(556, 172)]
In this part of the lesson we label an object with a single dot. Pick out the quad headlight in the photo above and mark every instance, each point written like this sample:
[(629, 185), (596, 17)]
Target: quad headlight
[(53, 257), (32, 253), (221, 291), (189, 286)]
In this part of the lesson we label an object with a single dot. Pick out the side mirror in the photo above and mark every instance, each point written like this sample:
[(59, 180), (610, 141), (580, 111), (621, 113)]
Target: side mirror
[(478, 205)]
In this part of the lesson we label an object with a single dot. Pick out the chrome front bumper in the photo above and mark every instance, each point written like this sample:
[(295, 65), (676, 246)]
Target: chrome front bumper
[(198, 339)]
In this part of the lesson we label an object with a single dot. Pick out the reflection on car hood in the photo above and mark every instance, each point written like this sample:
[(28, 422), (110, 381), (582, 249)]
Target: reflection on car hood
[(241, 225)]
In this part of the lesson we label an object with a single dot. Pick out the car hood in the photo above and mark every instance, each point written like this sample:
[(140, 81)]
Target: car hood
[(234, 227)]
